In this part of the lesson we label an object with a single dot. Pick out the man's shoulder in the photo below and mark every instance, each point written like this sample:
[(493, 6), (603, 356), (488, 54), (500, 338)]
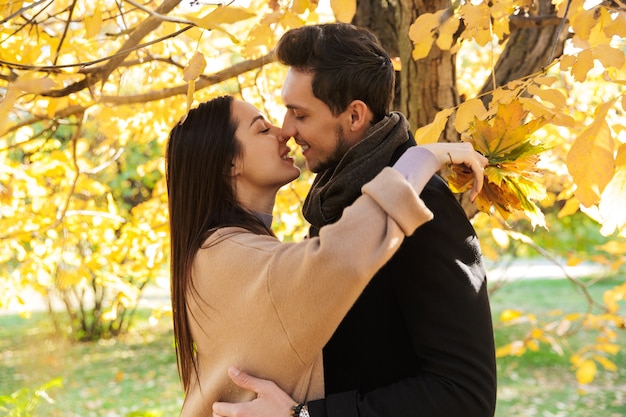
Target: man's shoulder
[(438, 186), (448, 211)]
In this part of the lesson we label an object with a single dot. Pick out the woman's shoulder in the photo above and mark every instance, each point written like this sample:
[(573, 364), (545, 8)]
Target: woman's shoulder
[(234, 235)]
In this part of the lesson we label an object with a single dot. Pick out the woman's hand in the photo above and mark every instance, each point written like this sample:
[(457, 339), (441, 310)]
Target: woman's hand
[(461, 153), (271, 401)]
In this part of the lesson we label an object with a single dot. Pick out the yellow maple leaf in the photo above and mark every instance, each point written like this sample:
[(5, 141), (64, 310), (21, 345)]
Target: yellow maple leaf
[(195, 67), (583, 21), (509, 186), (466, 112), (30, 83), (606, 363), (571, 206), (509, 314), (582, 66), (430, 133), (190, 74), (344, 10), (549, 95), (590, 160), (93, 23), (609, 56), (477, 19), (586, 372), (421, 33), (613, 198), (617, 27), (447, 30), (221, 16), (612, 297)]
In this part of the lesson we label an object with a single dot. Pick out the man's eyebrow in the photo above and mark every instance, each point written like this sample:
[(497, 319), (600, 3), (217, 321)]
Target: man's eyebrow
[(293, 107), (259, 117)]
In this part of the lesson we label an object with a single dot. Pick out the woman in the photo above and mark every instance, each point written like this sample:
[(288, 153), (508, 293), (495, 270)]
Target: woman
[(240, 296)]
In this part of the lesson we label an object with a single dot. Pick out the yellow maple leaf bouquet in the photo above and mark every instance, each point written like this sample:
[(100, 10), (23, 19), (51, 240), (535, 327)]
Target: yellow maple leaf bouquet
[(510, 177)]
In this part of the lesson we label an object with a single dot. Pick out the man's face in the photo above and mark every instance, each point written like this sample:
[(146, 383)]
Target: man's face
[(321, 135)]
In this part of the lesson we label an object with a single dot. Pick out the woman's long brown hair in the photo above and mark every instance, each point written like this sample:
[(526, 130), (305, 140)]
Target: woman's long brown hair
[(201, 198)]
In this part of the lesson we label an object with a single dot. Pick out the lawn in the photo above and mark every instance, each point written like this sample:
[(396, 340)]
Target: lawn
[(130, 377), (542, 383), (136, 375)]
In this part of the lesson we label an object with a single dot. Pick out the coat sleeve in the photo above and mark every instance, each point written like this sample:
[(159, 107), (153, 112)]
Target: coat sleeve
[(312, 284), (455, 336)]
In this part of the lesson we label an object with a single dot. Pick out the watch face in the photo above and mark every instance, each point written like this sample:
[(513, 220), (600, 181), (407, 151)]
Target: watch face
[(300, 410)]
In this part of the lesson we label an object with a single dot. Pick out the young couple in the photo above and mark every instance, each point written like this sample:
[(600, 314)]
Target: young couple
[(383, 310)]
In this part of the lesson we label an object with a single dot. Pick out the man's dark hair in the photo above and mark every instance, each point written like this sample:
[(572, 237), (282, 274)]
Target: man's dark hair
[(348, 64)]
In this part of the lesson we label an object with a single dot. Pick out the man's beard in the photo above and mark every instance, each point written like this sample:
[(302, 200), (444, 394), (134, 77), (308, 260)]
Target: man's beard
[(341, 147)]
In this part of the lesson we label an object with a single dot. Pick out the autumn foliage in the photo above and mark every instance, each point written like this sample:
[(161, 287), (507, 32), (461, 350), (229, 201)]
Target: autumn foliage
[(90, 90)]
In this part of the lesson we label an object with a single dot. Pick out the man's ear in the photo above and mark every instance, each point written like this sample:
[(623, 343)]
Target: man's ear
[(360, 116)]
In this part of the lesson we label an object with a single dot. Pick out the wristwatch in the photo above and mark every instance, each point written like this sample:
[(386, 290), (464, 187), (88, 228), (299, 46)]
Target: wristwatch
[(300, 410)]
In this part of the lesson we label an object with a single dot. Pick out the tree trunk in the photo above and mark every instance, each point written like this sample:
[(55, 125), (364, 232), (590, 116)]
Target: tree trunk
[(429, 85), (534, 42), (424, 87)]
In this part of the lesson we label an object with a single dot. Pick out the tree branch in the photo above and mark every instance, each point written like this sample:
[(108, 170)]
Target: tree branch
[(22, 10), (65, 29), (112, 62), (204, 82), (136, 36), (519, 22), (57, 68)]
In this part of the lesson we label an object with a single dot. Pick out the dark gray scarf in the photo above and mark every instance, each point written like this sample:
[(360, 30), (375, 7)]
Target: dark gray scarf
[(334, 189)]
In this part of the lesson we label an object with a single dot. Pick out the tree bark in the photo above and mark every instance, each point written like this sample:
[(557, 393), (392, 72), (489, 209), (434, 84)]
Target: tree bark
[(534, 42), (425, 87)]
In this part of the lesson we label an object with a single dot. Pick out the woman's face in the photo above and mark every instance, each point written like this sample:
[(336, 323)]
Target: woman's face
[(265, 164)]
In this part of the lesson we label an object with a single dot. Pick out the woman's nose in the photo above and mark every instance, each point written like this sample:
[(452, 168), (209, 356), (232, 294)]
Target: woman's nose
[(278, 133)]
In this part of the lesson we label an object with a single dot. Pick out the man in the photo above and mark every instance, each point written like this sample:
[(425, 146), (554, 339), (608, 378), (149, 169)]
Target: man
[(419, 340)]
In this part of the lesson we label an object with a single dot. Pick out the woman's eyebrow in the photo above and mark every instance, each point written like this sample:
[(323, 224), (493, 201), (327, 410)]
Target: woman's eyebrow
[(259, 117)]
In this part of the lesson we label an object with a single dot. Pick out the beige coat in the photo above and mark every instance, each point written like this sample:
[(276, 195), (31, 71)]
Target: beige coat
[(269, 307)]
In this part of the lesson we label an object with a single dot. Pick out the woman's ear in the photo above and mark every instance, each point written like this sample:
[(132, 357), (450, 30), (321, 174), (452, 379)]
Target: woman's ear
[(235, 167), (360, 116)]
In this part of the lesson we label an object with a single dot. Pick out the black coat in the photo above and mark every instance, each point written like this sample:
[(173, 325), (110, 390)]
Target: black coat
[(419, 341)]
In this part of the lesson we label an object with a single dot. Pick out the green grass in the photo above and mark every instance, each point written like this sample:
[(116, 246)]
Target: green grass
[(136, 375), (542, 383)]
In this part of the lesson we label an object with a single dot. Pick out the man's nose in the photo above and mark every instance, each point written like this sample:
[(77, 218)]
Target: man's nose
[(288, 130)]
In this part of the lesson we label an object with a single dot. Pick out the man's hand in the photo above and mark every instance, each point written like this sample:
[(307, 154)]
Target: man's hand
[(271, 401), (461, 153)]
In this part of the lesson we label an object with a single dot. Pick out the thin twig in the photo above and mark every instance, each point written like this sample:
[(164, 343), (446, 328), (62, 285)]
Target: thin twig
[(558, 32)]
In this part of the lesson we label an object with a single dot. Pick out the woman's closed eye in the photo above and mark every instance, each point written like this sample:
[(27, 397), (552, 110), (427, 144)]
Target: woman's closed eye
[(263, 126)]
